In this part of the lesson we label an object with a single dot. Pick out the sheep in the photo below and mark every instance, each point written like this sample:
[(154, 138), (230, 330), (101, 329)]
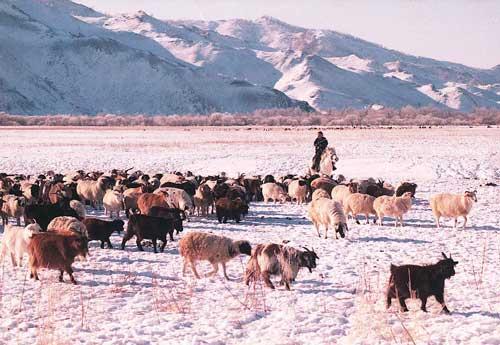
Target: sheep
[(101, 230), (79, 208), (273, 191), (358, 203), (404, 187), (325, 183), (420, 281), (394, 206), (273, 259), (15, 242), (13, 206), (297, 189), (452, 205), (68, 224), (173, 178), (328, 212), (93, 191), (226, 208), (113, 202), (147, 227), (177, 198), (216, 249), (186, 186), (341, 192), (320, 193), (55, 251), (203, 198)]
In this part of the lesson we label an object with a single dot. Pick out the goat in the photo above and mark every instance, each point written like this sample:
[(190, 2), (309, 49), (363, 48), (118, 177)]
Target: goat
[(421, 281), (273, 259)]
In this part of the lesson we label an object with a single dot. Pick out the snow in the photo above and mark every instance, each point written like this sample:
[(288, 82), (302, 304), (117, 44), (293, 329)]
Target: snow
[(131, 297), (351, 63)]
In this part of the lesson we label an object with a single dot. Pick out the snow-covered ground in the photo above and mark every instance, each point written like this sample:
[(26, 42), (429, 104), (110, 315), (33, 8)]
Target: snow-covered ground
[(131, 297)]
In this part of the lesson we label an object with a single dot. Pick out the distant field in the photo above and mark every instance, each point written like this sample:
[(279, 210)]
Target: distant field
[(132, 297)]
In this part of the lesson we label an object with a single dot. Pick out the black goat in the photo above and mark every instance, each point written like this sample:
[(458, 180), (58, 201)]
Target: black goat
[(413, 281), (151, 228)]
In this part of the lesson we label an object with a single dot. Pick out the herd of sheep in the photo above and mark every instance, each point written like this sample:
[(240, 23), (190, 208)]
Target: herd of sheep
[(57, 229)]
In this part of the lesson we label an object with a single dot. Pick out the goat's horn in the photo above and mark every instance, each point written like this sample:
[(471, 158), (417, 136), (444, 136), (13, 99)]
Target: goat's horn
[(444, 255)]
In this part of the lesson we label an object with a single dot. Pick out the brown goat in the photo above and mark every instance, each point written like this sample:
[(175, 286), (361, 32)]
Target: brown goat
[(56, 251)]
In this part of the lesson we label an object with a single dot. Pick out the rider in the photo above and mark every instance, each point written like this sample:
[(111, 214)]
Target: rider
[(320, 144)]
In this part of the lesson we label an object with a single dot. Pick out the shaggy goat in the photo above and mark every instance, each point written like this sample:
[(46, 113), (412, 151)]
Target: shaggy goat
[(276, 259), (55, 251), (421, 281), (15, 242)]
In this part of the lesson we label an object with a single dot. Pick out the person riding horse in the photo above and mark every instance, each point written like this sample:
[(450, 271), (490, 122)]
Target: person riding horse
[(320, 144)]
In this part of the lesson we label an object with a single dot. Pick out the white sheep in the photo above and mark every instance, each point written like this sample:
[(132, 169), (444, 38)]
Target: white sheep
[(320, 193), (196, 246), (173, 178), (15, 242), (297, 189), (92, 191), (273, 191), (341, 192), (358, 203), (452, 205), (79, 208), (113, 202), (13, 206), (68, 224), (326, 212), (394, 206), (176, 198)]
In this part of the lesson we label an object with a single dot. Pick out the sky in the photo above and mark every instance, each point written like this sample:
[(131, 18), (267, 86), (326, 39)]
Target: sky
[(463, 31)]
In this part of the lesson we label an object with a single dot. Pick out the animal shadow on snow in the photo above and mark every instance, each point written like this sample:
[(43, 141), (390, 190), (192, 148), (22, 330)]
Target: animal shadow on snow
[(387, 239), (477, 313), (102, 272)]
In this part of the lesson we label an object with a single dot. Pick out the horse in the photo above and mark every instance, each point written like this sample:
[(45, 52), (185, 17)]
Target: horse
[(326, 166)]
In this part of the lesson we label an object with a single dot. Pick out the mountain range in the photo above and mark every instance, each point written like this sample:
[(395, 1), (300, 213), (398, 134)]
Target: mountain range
[(57, 56)]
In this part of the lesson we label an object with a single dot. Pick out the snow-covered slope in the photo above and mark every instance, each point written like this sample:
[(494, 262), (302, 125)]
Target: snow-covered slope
[(53, 62), (61, 57), (280, 44)]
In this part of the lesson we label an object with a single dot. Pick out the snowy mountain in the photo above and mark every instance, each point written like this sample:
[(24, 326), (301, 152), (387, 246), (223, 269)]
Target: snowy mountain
[(53, 62), (61, 57)]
